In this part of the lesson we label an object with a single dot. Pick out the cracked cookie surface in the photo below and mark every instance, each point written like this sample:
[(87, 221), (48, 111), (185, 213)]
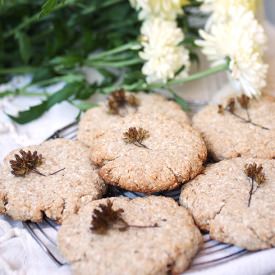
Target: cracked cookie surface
[(166, 249), (56, 196), (94, 121), (227, 136), (174, 154), (218, 200)]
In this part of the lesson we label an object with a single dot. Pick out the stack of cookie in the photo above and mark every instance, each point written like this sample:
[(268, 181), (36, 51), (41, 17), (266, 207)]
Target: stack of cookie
[(234, 199), (144, 143), (141, 143)]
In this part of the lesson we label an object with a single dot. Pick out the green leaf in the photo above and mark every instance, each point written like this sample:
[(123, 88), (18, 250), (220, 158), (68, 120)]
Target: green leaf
[(69, 78), (36, 111), (6, 93), (66, 61), (88, 40), (24, 46), (86, 91), (41, 73), (17, 70), (48, 7), (84, 106), (184, 105)]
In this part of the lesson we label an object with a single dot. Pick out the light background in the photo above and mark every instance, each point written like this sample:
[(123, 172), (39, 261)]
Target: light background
[(270, 10)]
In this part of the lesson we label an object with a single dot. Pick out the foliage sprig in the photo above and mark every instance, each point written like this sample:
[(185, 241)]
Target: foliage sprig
[(119, 100), (105, 218), (256, 174), (26, 162), (136, 136), (54, 39), (244, 103)]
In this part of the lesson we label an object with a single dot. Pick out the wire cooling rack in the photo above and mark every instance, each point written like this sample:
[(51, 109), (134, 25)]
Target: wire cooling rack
[(211, 254)]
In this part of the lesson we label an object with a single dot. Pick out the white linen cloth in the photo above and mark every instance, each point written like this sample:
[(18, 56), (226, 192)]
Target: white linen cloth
[(19, 252)]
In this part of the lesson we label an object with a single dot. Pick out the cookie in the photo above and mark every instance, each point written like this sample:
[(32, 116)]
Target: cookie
[(62, 179), (160, 238), (228, 134), (96, 120), (168, 155), (222, 201)]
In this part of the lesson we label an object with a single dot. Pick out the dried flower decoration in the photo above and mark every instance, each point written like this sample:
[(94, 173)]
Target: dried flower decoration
[(220, 109), (256, 175), (244, 102), (136, 136), (28, 162), (118, 100), (133, 101), (119, 96), (105, 218), (231, 104)]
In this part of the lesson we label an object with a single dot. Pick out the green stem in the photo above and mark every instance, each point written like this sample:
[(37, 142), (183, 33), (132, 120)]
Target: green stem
[(21, 26), (66, 78), (208, 72), (24, 93), (72, 103), (126, 87), (114, 58), (18, 70), (145, 86), (36, 16), (114, 51), (104, 5), (30, 20), (46, 82), (109, 28), (97, 64)]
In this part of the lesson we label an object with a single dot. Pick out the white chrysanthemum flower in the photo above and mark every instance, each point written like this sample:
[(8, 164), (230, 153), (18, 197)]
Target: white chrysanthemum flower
[(166, 9), (243, 40), (161, 50), (220, 8)]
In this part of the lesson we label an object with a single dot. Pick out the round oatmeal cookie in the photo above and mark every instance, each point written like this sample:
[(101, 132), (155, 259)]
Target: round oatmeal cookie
[(152, 235), (223, 202), (60, 177), (96, 120), (148, 155), (228, 133)]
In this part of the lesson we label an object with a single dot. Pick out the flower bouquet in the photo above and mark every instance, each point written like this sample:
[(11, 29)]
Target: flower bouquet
[(136, 45)]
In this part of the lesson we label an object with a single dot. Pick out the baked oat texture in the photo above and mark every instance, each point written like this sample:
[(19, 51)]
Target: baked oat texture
[(169, 247), (174, 154), (227, 136), (56, 196), (96, 120), (218, 200)]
